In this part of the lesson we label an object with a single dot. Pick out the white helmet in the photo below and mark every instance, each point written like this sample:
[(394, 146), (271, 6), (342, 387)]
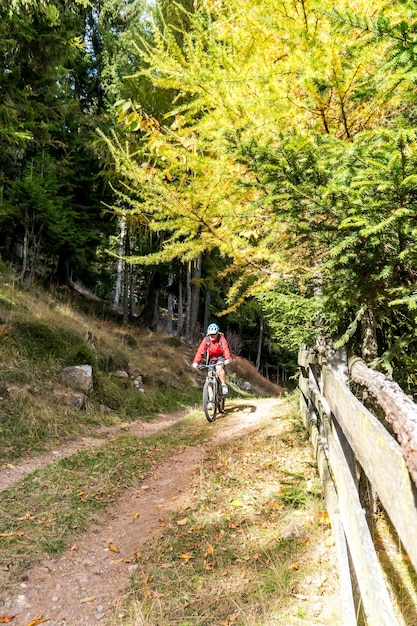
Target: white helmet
[(212, 329)]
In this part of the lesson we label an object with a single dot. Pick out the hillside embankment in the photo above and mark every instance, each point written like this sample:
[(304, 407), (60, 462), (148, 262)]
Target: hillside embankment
[(135, 510)]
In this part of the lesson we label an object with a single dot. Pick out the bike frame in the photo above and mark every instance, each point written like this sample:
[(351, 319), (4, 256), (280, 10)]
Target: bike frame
[(213, 399)]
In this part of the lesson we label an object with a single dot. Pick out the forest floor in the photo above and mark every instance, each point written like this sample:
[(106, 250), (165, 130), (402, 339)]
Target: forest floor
[(88, 583)]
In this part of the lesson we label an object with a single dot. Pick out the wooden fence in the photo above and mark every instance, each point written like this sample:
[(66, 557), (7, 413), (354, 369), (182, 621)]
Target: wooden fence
[(350, 442)]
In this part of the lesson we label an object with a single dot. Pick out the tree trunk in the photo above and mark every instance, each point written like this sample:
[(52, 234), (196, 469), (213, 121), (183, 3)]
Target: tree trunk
[(155, 316), (195, 296), (119, 275), (188, 305), (170, 304), (260, 340), (369, 339), (400, 411), (180, 313), (207, 302), (24, 255), (126, 299), (131, 291), (150, 310)]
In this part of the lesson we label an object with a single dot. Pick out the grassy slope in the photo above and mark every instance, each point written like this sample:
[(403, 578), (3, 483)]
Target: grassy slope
[(41, 333), (39, 336), (250, 489)]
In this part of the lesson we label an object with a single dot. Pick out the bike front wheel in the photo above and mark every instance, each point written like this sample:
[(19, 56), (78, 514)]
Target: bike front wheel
[(209, 401)]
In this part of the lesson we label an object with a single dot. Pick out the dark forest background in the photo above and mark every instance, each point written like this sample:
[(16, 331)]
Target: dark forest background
[(250, 163)]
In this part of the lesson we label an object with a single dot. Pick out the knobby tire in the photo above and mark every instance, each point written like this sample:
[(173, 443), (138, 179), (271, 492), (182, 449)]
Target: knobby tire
[(220, 403), (209, 413)]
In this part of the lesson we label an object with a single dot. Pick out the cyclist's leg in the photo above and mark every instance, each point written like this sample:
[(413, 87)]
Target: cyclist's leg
[(221, 373)]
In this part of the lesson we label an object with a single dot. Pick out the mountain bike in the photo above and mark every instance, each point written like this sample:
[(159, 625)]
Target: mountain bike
[(213, 398)]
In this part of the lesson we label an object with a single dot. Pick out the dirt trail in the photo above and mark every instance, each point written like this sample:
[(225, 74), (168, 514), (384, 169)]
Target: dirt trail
[(83, 585), (12, 473)]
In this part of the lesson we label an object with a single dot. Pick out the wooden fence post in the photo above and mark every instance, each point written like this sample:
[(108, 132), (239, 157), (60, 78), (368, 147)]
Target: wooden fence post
[(355, 453)]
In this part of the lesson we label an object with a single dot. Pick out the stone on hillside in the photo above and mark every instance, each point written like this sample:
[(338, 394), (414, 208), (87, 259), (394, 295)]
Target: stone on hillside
[(78, 377), (138, 384), (121, 374), (134, 371), (76, 400)]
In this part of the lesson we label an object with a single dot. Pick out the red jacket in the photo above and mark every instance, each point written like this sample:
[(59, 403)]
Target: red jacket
[(216, 348)]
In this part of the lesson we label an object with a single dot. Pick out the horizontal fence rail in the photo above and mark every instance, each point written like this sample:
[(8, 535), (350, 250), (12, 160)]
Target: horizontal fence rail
[(345, 435)]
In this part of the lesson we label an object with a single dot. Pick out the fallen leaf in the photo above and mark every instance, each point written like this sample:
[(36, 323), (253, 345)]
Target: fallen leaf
[(210, 549), (182, 522), (136, 515), (6, 534), (321, 581), (89, 599), (186, 556), (294, 566), (237, 503), (6, 619), (162, 523), (113, 548), (196, 529), (146, 589), (230, 619), (329, 542), (233, 524), (27, 515), (38, 620), (323, 517)]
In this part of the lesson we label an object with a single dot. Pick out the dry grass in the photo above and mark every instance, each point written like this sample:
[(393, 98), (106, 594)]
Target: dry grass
[(43, 513), (39, 336), (246, 371), (398, 571), (253, 547)]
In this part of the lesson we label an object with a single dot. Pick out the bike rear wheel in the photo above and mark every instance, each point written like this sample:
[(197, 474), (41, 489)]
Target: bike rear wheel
[(220, 403), (209, 401)]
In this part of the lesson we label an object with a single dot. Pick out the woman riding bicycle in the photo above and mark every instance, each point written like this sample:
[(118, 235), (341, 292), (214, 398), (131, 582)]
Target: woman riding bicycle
[(218, 351)]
